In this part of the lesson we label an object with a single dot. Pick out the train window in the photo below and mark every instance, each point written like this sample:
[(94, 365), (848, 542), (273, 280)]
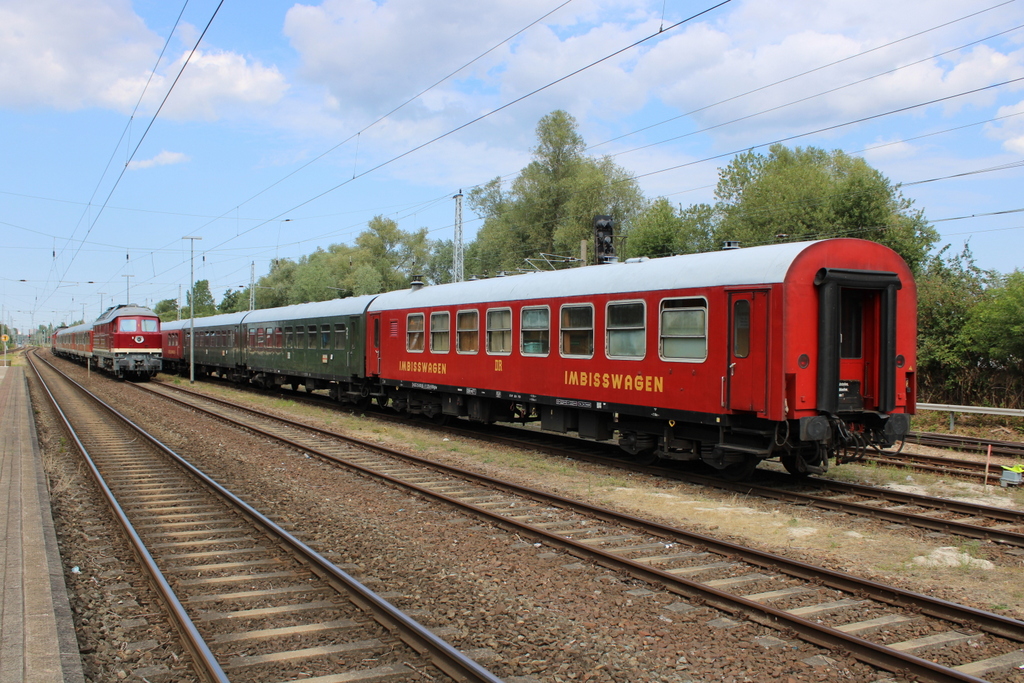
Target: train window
[(467, 331), (278, 337), (325, 337), (128, 325), (289, 337), (626, 330), (414, 332), (340, 336), (440, 331), (312, 336), (578, 330), (851, 317), (535, 331), (300, 337), (499, 330), (149, 325), (260, 339), (684, 329), (741, 328)]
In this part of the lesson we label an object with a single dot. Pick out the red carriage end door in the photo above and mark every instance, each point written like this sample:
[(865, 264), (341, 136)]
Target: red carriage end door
[(748, 350), (858, 348)]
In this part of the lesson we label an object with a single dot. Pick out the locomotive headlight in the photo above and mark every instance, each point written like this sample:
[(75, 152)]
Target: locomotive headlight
[(139, 339)]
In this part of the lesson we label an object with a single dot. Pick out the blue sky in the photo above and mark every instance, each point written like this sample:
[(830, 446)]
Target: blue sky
[(265, 148)]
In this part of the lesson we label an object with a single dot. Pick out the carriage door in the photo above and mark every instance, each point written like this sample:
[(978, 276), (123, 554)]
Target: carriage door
[(375, 341), (748, 350), (858, 348)]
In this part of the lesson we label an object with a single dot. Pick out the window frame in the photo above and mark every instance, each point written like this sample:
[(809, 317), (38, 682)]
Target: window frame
[(523, 330), (488, 330), (447, 332), (608, 329), (561, 330), (458, 332), (409, 317), (661, 331)]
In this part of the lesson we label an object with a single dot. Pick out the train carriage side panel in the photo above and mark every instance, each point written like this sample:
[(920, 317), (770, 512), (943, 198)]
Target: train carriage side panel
[(716, 341), (317, 344)]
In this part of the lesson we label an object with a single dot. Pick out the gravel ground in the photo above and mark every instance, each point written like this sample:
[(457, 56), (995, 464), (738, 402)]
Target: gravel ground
[(542, 613)]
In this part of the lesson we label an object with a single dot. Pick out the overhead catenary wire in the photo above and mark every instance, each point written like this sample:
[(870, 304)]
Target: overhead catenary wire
[(142, 138)]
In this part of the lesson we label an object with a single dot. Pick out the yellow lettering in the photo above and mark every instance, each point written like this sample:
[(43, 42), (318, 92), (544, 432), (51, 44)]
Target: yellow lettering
[(629, 382), (604, 384), (647, 383), (584, 377), (616, 381), (572, 378), (659, 384)]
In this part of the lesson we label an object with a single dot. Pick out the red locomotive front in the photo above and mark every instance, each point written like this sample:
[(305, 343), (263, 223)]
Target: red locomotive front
[(793, 351), (126, 341)]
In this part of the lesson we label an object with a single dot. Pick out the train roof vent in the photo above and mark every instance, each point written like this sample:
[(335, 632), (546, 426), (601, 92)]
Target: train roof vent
[(417, 283), (730, 244)]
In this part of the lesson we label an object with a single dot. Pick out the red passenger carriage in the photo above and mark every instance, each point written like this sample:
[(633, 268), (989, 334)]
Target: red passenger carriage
[(794, 350)]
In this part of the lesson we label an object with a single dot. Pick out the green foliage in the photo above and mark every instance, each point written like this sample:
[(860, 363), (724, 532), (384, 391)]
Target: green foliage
[(663, 230), (550, 205), (809, 193), (998, 323), (204, 303), (234, 301), (167, 310), (949, 287)]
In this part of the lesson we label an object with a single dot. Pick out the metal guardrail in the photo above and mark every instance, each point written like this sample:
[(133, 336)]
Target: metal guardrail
[(980, 410)]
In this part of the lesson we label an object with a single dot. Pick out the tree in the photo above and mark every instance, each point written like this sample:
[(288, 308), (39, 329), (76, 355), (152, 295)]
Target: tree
[(167, 310), (550, 205), (809, 193), (233, 301), (662, 230), (998, 322), (205, 305), (949, 288), (395, 255), (439, 266)]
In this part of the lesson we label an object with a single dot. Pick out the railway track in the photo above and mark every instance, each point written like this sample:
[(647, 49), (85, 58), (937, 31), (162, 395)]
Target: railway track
[(999, 525), (251, 601), (954, 467), (893, 629), (1011, 449)]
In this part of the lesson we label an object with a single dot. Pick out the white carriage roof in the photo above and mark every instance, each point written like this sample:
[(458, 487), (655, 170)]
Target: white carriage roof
[(749, 266), (353, 305)]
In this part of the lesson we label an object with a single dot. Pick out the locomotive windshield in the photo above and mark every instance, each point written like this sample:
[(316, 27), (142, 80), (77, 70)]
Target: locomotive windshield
[(136, 325)]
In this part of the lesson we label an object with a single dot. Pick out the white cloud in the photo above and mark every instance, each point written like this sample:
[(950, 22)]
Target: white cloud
[(99, 53), (164, 158), (218, 83), (62, 54)]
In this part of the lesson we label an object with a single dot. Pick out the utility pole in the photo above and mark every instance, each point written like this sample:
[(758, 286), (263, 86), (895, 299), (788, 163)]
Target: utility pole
[(252, 287), (192, 313), (458, 267), (127, 289)]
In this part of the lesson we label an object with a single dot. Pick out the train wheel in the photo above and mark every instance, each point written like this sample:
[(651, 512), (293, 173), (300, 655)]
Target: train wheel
[(792, 465), (646, 457), (739, 471)]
